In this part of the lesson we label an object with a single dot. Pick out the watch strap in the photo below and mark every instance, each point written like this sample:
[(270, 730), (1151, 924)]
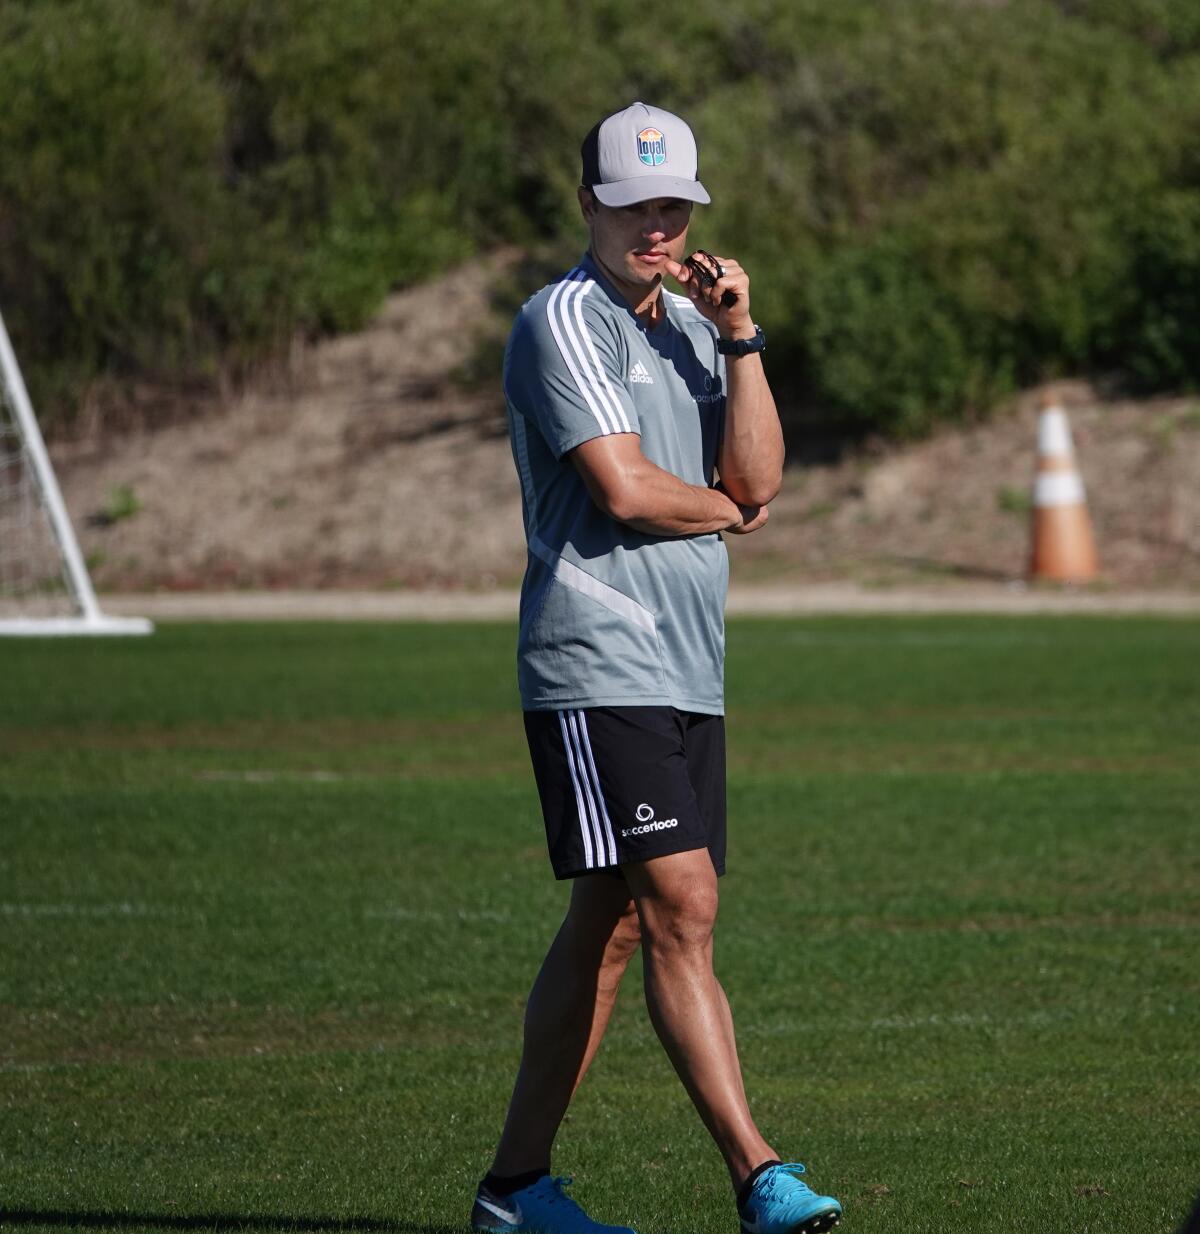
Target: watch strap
[(743, 346)]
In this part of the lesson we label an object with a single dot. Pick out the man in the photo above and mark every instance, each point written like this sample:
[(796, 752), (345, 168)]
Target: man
[(623, 400)]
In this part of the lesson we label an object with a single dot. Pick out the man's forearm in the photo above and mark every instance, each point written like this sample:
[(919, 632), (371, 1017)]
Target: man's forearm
[(631, 489), (751, 456), (661, 504)]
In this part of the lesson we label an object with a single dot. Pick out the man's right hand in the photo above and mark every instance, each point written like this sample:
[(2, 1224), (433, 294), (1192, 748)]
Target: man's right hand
[(753, 517)]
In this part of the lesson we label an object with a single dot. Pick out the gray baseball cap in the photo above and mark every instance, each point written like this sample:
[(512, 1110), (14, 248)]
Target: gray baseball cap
[(641, 153)]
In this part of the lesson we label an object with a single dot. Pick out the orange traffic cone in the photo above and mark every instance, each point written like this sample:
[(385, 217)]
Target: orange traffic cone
[(1063, 546)]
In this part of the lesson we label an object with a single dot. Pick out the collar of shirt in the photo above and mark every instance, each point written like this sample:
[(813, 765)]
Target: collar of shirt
[(588, 263)]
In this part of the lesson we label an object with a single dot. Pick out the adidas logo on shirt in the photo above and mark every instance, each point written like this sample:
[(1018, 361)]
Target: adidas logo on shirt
[(640, 373)]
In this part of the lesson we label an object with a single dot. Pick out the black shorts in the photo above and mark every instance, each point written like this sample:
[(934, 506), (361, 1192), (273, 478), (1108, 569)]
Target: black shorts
[(622, 784)]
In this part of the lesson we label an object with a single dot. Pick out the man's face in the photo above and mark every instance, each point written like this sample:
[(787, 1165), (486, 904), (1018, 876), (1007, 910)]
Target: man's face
[(631, 243)]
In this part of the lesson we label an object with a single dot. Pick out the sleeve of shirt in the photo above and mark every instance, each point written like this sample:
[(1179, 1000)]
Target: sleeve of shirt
[(563, 371)]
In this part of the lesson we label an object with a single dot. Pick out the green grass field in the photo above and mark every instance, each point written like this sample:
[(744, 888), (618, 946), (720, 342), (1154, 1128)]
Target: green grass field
[(271, 898)]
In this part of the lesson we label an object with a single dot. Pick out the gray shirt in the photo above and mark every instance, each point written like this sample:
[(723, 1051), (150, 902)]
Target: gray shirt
[(609, 616)]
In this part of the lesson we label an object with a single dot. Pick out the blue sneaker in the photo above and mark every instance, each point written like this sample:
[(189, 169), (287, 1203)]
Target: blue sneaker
[(779, 1203), (542, 1207)]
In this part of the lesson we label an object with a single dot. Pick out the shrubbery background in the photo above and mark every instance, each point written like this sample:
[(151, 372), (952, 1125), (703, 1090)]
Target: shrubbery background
[(938, 199)]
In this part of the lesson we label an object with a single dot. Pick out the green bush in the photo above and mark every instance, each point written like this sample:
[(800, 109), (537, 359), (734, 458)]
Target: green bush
[(1162, 348), (957, 189), (937, 200), (321, 163), (109, 201), (1170, 28), (889, 345)]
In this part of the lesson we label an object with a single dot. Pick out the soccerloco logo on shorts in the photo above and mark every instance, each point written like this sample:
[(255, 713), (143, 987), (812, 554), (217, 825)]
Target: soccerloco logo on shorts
[(652, 147), (647, 822)]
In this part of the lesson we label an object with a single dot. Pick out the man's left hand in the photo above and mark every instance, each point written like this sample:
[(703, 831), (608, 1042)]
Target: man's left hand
[(732, 322)]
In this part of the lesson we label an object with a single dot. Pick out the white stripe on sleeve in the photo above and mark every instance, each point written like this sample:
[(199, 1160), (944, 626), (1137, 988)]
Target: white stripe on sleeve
[(611, 401), (568, 346)]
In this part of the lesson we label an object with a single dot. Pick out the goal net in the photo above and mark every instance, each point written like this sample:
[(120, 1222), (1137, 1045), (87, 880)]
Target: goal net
[(44, 583)]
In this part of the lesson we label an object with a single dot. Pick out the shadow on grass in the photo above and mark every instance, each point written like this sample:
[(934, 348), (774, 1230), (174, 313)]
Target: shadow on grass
[(1192, 1224), (214, 1221)]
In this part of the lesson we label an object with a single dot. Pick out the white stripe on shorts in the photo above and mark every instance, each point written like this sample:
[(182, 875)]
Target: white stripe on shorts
[(589, 789), (608, 837), (584, 827)]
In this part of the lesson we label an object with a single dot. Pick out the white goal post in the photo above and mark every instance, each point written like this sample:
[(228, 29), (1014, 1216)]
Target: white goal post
[(44, 583)]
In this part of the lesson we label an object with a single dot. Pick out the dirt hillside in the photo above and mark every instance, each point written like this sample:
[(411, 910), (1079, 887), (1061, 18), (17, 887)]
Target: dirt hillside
[(372, 466)]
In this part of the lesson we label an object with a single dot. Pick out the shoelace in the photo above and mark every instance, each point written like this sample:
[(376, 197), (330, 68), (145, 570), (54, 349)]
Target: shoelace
[(557, 1184), (796, 1168)]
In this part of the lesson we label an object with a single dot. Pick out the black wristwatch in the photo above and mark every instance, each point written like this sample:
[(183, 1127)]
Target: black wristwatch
[(742, 346)]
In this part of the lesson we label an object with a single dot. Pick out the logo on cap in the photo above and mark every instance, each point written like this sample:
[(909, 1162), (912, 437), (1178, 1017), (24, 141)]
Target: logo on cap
[(652, 147)]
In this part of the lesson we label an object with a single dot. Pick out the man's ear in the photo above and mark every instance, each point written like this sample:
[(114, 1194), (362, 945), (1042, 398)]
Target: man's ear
[(587, 202)]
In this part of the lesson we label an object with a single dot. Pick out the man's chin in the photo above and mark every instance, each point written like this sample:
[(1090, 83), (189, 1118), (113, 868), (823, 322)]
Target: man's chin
[(644, 275)]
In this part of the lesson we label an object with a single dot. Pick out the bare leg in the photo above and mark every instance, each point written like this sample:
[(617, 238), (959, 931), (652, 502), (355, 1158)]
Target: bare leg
[(676, 900), (565, 1017)]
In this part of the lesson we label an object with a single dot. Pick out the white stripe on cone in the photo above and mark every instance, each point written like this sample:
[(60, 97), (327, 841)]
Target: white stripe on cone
[(1058, 488), (1064, 548), (1054, 434)]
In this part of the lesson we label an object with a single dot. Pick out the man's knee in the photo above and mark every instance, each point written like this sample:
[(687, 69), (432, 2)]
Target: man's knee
[(681, 918)]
